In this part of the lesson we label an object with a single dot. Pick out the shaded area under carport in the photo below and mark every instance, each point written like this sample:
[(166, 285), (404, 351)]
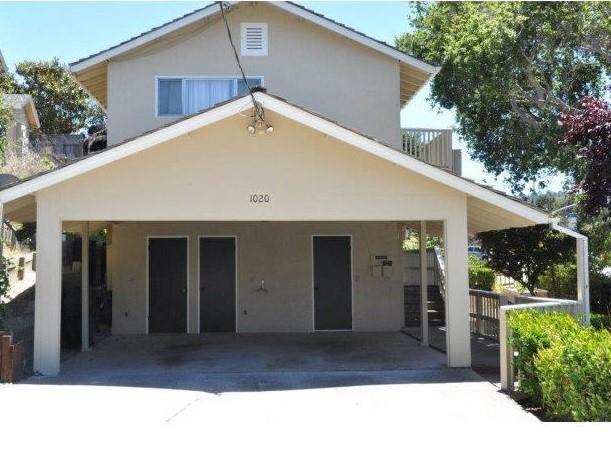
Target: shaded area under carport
[(246, 362)]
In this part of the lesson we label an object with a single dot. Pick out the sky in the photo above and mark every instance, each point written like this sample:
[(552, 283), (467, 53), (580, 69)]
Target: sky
[(68, 31)]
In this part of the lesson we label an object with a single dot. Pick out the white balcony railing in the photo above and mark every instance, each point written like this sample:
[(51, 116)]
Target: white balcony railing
[(433, 146)]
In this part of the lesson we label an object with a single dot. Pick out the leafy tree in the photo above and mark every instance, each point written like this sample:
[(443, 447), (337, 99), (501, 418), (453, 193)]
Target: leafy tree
[(509, 69), (6, 117), (526, 253), (62, 105), (589, 129)]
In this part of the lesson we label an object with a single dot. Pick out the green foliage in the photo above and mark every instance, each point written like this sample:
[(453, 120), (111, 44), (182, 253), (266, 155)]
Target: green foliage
[(531, 332), (62, 105), (4, 285), (526, 253), (412, 242), (481, 277), (562, 366), (598, 230), (600, 293), (575, 376), (6, 118), (600, 321), (509, 69), (560, 281)]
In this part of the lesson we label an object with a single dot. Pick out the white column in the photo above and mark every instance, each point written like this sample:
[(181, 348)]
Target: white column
[(583, 278), (424, 292), (85, 287), (458, 338), (47, 310)]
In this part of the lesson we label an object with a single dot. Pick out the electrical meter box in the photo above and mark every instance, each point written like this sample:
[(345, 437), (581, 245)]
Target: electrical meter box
[(381, 266)]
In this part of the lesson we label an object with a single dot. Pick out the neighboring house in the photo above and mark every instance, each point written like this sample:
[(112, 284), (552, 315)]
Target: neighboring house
[(60, 146), (25, 119), (287, 217)]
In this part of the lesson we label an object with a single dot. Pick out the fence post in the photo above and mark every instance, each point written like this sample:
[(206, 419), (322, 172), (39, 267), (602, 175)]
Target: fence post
[(506, 352), (478, 313)]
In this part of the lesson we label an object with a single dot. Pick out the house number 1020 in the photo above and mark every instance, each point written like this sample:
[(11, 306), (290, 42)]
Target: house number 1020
[(260, 198)]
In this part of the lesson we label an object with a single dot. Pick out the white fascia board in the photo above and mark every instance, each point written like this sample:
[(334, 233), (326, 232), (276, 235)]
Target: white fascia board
[(567, 231), (291, 112), (293, 9), (32, 106), (148, 37), (403, 160), (372, 43), (124, 150)]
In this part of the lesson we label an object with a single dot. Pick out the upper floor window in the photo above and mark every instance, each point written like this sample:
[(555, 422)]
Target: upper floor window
[(253, 39), (178, 96)]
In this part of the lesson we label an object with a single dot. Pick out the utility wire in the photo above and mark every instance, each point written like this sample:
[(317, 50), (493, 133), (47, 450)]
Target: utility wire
[(257, 106)]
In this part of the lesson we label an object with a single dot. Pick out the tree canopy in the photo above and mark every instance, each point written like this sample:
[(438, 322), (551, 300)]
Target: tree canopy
[(589, 129), (526, 253), (509, 69), (62, 105)]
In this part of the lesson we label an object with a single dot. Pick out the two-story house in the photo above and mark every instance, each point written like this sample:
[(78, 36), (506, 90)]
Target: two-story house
[(277, 210)]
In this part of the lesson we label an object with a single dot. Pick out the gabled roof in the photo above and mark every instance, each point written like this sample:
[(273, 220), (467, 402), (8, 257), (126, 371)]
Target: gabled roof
[(91, 70), (26, 103), (487, 198)]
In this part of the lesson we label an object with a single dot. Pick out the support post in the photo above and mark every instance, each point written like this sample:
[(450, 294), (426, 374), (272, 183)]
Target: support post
[(458, 335), (506, 351), (85, 287), (583, 278), (47, 310), (424, 292)]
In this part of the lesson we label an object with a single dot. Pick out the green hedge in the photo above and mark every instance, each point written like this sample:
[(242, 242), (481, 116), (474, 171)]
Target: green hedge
[(560, 281), (562, 366), (481, 277)]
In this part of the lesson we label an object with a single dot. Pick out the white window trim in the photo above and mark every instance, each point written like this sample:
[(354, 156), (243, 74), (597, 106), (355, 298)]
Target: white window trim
[(246, 52), (235, 79)]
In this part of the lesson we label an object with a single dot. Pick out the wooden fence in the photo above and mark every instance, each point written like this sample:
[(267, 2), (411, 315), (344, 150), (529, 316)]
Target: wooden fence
[(484, 313)]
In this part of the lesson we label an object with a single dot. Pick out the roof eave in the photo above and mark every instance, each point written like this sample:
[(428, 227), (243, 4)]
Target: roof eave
[(292, 112)]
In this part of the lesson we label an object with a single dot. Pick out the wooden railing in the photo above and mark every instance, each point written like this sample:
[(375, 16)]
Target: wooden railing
[(431, 145), (484, 309), (506, 351), (440, 273)]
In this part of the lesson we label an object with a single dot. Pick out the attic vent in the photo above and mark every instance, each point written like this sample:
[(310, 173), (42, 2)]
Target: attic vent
[(253, 39)]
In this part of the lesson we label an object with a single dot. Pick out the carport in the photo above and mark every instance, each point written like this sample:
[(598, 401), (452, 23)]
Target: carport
[(188, 361), (291, 207)]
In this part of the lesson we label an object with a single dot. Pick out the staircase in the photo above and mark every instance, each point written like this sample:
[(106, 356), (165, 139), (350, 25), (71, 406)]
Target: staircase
[(436, 306)]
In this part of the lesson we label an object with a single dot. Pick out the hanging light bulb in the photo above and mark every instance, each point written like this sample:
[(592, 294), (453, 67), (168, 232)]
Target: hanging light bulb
[(269, 130), (251, 129)]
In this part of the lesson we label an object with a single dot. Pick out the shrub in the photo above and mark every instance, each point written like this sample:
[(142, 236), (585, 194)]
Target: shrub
[(481, 277), (575, 376), (600, 321), (531, 332), (560, 281), (562, 366), (600, 294)]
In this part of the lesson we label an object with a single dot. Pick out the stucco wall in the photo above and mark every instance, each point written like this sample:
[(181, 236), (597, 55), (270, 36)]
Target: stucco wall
[(306, 64), (209, 175), (279, 253)]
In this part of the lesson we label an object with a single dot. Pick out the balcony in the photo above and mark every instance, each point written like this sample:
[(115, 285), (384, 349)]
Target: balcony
[(433, 146)]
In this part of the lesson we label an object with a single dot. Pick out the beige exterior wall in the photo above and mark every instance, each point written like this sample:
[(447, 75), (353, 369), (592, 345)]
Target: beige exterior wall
[(209, 175), (307, 64), (280, 254)]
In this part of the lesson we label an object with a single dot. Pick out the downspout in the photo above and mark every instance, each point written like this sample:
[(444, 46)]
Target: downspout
[(583, 275)]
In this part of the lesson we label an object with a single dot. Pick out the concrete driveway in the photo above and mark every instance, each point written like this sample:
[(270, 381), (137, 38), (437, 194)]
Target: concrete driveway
[(246, 390)]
